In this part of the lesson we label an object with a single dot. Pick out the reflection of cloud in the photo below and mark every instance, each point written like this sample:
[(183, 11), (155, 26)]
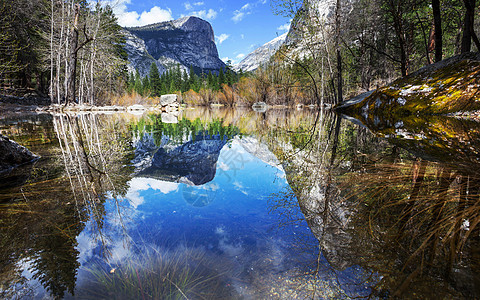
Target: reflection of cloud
[(220, 230), (230, 249), (239, 187), (223, 166), (211, 186), (138, 184), (85, 246)]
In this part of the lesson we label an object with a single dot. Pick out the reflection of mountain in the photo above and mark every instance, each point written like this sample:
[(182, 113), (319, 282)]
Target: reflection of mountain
[(193, 162), (260, 151), (393, 213)]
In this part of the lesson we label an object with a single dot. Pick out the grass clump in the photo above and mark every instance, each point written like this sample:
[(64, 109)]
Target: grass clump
[(186, 273)]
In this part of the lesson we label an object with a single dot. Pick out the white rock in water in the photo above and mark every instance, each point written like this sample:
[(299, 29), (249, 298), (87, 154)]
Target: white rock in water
[(260, 107), (168, 99), (136, 107), (169, 118)]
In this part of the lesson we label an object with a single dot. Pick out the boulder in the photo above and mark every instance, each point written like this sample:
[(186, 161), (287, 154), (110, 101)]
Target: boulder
[(136, 107), (13, 155), (449, 86), (260, 107), (168, 100)]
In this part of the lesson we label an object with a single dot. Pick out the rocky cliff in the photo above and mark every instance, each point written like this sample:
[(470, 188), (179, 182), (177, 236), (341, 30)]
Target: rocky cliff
[(261, 55), (188, 41)]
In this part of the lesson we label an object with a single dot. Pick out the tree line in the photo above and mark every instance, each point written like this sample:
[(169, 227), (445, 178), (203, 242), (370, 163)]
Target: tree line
[(70, 50), (364, 44), (178, 80)]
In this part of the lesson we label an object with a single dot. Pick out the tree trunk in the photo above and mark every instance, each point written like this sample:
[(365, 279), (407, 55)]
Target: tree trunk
[(72, 65), (468, 25), (437, 20), (339, 56)]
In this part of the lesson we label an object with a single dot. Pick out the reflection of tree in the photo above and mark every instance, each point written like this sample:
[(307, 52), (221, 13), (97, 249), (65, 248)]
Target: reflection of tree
[(418, 214), (94, 154), (66, 188), (374, 205)]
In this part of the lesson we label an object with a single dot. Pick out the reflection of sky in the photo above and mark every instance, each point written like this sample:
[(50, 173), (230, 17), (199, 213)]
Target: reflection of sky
[(229, 216), (235, 201)]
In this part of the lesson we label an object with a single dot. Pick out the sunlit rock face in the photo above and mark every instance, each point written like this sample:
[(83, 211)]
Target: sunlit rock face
[(188, 41), (312, 11), (261, 55), (193, 163)]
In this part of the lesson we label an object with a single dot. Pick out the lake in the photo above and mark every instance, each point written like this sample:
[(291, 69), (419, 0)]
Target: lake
[(235, 204)]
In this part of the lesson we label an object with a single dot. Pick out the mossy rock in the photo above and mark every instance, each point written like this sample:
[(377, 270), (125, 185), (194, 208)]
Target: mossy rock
[(449, 86)]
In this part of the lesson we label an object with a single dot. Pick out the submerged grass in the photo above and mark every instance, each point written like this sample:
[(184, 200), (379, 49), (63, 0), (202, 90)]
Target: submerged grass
[(186, 273)]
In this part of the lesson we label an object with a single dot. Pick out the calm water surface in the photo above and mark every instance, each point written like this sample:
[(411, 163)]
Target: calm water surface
[(221, 204)]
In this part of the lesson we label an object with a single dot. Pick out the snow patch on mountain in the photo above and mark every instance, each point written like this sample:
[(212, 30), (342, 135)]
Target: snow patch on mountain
[(261, 55)]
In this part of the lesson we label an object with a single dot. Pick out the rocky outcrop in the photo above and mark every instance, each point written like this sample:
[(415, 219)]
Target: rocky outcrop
[(188, 41), (449, 86), (138, 57), (13, 155), (261, 55)]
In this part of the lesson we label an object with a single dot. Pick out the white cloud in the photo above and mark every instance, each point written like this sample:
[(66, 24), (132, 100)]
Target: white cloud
[(285, 27), (128, 18), (246, 6), (240, 56), (204, 14), (242, 36), (221, 38), (238, 16), (189, 6), (245, 10)]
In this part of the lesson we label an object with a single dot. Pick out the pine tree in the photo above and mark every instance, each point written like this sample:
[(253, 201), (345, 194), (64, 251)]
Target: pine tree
[(191, 78), (210, 83), (221, 78), (138, 83), (146, 86), (155, 83), (131, 82)]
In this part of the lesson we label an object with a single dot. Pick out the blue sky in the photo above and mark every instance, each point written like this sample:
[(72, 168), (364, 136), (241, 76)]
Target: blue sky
[(240, 26)]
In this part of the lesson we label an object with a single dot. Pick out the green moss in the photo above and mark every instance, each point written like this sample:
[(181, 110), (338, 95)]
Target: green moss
[(450, 89)]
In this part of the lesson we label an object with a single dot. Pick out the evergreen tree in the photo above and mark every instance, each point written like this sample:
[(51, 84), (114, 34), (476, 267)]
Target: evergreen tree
[(155, 83), (185, 82), (221, 78), (131, 82), (210, 80), (146, 86), (191, 78), (138, 83)]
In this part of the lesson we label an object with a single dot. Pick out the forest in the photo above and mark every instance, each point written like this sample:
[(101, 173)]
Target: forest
[(72, 52)]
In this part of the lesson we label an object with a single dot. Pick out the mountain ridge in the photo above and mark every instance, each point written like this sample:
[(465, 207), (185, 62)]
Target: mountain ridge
[(261, 55), (188, 41)]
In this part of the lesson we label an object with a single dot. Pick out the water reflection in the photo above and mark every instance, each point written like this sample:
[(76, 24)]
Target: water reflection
[(382, 206), (237, 204)]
